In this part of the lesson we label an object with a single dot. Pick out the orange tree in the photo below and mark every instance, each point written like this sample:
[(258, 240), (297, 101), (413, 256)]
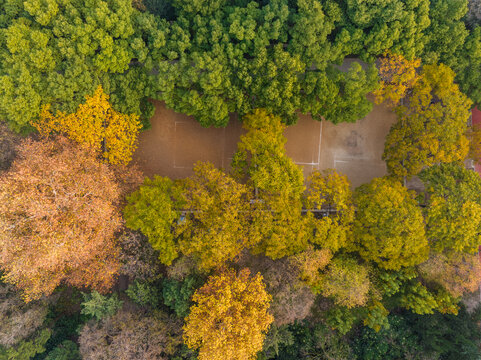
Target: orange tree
[(431, 127), (456, 272), (58, 217), (96, 124), (229, 318)]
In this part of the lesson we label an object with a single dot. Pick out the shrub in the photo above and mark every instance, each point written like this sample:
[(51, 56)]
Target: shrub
[(144, 294), (177, 294), (99, 306)]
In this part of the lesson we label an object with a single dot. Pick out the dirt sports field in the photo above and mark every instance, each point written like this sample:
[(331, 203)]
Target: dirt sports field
[(176, 141)]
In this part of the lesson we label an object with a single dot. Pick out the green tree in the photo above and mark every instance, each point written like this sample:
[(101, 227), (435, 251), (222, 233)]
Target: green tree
[(446, 33), (453, 212), (212, 228), (177, 294), (369, 28), (203, 7), (26, 349), (431, 127), (67, 350), (152, 209), (99, 306), (468, 65), (341, 318), (389, 226), (422, 289), (308, 340), (376, 316), (390, 282), (396, 342), (277, 184), (419, 299), (413, 336), (55, 52), (446, 336), (144, 293), (243, 55), (452, 43)]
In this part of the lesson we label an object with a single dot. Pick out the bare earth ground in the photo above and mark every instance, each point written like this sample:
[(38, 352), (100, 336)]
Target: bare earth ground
[(176, 141)]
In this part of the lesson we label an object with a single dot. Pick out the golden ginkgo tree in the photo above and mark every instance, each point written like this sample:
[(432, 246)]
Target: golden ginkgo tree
[(397, 76), (97, 124), (431, 126), (389, 226), (229, 318)]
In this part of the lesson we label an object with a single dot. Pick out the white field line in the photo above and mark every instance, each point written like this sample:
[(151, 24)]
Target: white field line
[(320, 141)]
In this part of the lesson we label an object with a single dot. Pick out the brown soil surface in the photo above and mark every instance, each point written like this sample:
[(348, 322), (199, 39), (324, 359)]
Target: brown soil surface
[(176, 141)]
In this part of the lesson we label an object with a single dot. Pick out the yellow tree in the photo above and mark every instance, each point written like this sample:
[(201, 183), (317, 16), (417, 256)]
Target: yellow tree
[(327, 233), (474, 136), (229, 318), (398, 75), (309, 263), (342, 278), (215, 227), (389, 225), (331, 192), (431, 127), (346, 281), (96, 124), (277, 184), (453, 211)]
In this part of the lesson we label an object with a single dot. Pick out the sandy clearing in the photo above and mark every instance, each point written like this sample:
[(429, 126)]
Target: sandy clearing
[(176, 141)]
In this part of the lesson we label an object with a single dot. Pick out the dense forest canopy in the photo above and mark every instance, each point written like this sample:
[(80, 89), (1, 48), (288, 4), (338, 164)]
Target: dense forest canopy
[(254, 261), (212, 58)]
